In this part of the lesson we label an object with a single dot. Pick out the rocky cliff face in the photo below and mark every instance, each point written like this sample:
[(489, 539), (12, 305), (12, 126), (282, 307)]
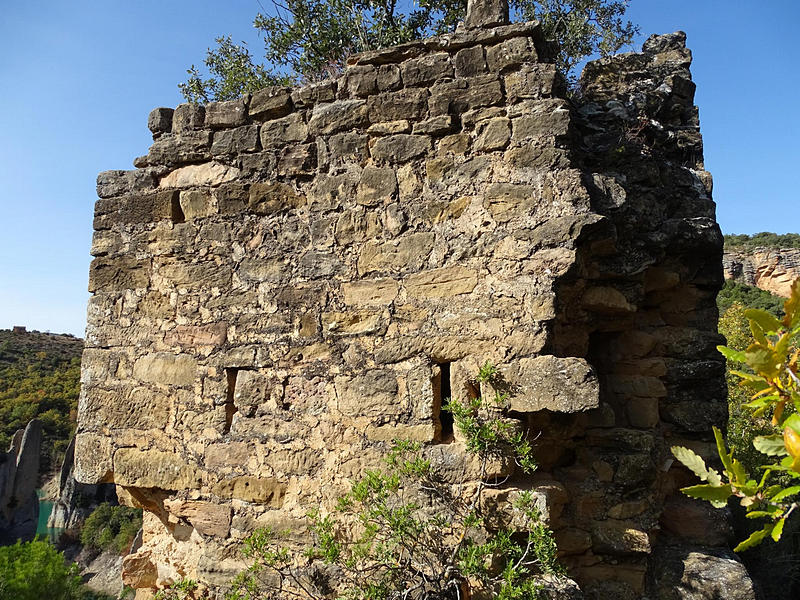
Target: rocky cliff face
[(281, 286), (76, 501), (773, 270), (19, 475)]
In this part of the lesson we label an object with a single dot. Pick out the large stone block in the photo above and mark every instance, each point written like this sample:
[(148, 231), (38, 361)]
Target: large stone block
[(337, 116), (406, 254), (258, 490), (441, 283), (371, 394), (168, 369), (117, 274), (231, 113), (269, 198), (154, 469), (398, 106), (376, 186), (549, 383), (400, 148), (370, 292), (270, 103), (204, 175)]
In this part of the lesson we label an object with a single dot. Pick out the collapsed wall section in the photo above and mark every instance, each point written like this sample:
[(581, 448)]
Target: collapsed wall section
[(283, 283)]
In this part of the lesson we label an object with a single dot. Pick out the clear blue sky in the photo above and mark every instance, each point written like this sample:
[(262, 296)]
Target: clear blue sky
[(80, 77)]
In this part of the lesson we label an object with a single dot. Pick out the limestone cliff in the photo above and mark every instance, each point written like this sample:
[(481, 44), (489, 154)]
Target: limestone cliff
[(282, 284), (19, 475), (771, 269)]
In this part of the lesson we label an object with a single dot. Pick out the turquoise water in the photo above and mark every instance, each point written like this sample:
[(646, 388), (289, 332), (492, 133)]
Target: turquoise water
[(45, 508)]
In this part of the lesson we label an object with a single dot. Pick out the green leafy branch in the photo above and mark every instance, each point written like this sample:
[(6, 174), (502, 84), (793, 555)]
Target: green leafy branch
[(770, 373)]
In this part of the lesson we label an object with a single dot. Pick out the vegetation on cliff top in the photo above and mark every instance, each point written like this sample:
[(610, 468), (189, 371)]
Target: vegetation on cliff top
[(765, 239), (39, 378), (747, 296), (310, 40)]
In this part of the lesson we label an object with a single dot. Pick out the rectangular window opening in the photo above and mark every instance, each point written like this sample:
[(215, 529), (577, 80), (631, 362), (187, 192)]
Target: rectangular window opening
[(230, 406), (443, 419)]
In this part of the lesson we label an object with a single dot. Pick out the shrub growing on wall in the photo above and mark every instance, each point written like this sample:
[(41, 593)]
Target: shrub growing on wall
[(411, 532)]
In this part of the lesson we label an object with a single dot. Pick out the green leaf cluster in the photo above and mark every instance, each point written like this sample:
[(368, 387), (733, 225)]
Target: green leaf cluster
[(36, 570), (769, 373), (310, 40), (749, 296), (111, 528), (407, 531)]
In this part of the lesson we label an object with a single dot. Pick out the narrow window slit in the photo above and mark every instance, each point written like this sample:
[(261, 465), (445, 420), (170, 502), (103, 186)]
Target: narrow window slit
[(230, 406), (176, 210), (443, 419)]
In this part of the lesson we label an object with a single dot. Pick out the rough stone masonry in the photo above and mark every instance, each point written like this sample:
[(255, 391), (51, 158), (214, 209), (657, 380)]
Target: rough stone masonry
[(291, 280)]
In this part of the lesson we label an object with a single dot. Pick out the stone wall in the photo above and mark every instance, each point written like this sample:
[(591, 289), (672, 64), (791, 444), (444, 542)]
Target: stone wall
[(290, 280)]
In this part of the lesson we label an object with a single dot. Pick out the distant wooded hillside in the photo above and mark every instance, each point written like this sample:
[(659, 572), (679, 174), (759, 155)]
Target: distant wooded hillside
[(39, 378), (765, 239)]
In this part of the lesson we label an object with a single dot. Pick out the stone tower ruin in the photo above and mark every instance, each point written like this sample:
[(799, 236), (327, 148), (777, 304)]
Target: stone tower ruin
[(289, 281)]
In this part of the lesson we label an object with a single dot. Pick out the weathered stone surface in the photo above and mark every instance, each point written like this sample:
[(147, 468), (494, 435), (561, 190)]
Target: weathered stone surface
[(196, 204), (187, 117), (551, 383), (486, 13), (160, 120), (93, 458), (117, 183), (505, 201), (436, 126), (398, 106), (371, 394), (700, 573), (194, 335), (289, 129), (470, 61), (269, 198), (400, 148), (153, 469), (493, 134), (298, 160), (182, 148), (511, 53), (207, 518), (230, 113), (406, 254), (168, 369), (426, 69), (338, 116), (377, 292), (376, 186), (441, 283), (111, 275), (270, 103), (619, 538), (360, 80), (139, 208), (266, 491), (235, 141), (207, 174)]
